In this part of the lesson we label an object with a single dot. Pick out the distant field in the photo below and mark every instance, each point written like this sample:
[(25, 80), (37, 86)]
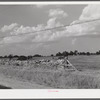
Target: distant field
[(86, 62), (87, 76), (82, 63)]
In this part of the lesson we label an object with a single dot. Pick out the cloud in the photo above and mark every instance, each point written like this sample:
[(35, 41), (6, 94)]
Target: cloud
[(58, 13), (8, 27), (14, 39), (29, 34), (43, 36), (89, 29), (53, 23), (20, 33), (89, 13), (22, 30), (25, 30)]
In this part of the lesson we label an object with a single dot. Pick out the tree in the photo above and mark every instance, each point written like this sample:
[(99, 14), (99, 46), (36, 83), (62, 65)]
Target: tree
[(75, 52), (52, 55), (29, 57), (59, 54), (5, 56), (37, 55), (82, 53), (22, 57), (1, 56), (88, 53), (65, 53), (10, 56), (15, 56), (71, 53), (98, 52)]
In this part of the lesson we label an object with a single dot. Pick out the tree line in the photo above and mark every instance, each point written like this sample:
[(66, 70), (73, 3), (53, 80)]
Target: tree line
[(21, 57), (64, 53), (76, 52)]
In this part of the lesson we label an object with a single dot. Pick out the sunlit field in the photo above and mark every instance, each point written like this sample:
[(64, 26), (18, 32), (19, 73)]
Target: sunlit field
[(48, 74)]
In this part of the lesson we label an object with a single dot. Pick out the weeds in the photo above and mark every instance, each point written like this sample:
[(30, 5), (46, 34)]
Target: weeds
[(63, 80)]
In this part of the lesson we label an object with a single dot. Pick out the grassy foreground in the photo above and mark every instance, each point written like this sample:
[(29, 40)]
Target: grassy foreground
[(55, 79), (87, 76)]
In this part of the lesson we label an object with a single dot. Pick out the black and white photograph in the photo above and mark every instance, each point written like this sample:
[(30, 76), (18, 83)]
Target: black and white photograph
[(50, 46)]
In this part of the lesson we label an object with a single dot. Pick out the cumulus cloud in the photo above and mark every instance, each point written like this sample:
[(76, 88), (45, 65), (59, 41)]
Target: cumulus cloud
[(8, 27), (15, 39), (89, 13), (22, 30), (22, 34), (53, 23), (59, 13), (18, 33), (87, 29), (25, 30)]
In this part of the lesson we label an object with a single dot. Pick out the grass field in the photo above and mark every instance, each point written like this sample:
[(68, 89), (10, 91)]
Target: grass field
[(87, 76), (86, 62)]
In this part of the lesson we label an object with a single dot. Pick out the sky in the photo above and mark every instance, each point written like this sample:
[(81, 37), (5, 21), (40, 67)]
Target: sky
[(19, 23)]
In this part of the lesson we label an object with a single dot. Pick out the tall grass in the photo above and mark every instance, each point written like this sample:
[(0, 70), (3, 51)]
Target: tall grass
[(55, 79)]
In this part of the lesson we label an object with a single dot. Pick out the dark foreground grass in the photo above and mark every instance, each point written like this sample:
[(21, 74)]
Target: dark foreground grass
[(55, 79)]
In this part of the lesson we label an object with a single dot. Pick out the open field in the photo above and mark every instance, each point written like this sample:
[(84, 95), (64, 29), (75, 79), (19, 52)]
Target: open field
[(48, 75)]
